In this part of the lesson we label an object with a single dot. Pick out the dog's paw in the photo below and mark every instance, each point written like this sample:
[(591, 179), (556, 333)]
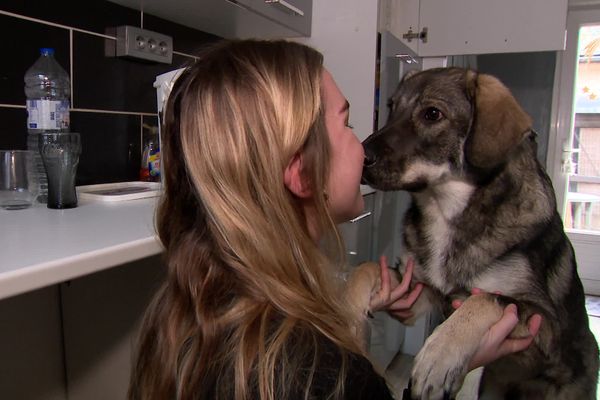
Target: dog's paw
[(439, 369)]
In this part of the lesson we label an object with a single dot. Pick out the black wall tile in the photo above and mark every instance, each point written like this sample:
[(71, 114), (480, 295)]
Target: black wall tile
[(13, 133), (150, 125), (110, 83), (111, 149), (112, 143), (24, 44)]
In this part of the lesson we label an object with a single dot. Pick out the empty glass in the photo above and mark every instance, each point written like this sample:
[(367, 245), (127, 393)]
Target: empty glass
[(60, 154), (18, 181)]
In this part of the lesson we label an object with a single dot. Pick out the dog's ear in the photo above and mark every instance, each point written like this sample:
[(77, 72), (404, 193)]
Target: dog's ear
[(408, 74), (471, 78), (499, 125)]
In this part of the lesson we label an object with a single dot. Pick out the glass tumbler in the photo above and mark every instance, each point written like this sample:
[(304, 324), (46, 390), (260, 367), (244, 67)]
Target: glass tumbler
[(18, 181), (60, 154)]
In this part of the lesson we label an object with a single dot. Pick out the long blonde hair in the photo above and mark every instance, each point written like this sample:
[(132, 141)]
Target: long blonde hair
[(249, 294)]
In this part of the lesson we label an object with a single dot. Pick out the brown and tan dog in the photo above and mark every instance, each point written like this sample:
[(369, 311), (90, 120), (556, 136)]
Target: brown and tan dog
[(484, 216)]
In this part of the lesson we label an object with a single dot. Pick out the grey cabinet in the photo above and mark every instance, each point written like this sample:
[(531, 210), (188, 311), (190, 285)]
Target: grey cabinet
[(293, 14), (234, 18), (476, 26)]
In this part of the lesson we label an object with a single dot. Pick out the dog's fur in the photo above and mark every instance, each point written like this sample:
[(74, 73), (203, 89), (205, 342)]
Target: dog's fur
[(483, 216)]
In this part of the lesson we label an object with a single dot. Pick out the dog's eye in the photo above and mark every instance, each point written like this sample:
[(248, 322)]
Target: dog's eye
[(433, 114)]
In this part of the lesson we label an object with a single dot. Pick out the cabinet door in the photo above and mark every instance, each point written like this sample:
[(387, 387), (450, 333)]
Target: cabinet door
[(233, 18), (293, 14), (399, 17), (482, 26)]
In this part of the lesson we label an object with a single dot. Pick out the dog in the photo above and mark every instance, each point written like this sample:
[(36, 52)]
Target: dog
[(483, 215)]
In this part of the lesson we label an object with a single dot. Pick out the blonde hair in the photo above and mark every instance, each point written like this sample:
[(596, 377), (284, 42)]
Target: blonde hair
[(249, 294)]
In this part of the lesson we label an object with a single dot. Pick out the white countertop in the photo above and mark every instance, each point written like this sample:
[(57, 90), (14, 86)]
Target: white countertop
[(41, 247)]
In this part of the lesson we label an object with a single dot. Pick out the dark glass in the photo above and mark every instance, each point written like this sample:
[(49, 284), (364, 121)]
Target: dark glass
[(60, 154)]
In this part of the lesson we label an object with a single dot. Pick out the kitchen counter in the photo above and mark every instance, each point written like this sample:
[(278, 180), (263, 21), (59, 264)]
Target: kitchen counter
[(41, 247)]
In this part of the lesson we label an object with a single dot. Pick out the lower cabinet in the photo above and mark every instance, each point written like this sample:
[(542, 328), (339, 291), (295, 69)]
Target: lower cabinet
[(101, 318), (31, 348), (76, 340)]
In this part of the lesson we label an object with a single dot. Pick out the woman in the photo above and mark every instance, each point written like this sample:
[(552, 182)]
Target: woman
[(259, 167)]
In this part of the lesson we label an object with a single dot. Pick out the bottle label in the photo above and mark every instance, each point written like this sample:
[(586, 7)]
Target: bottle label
[(48, 114), (154, 165)]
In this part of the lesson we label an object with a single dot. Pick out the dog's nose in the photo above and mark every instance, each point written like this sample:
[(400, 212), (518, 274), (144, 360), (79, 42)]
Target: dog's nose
[(370, 158)]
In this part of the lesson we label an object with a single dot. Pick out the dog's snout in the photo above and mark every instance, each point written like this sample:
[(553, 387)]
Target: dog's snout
[(370, 158)]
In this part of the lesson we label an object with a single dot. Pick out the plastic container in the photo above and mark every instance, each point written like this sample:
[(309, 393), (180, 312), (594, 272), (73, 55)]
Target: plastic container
[(48, 88), (150, 167), (119, 191)]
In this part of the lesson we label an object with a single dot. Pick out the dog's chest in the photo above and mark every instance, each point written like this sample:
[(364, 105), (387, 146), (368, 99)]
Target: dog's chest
[(440, 207)]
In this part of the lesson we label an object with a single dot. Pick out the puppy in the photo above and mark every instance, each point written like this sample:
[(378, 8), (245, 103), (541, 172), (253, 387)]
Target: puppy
[(483, 215)]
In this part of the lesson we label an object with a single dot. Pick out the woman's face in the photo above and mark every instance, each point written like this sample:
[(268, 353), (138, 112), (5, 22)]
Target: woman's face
[(343, 188)]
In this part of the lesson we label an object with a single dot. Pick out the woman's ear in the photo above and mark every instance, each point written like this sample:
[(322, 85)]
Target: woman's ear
[(293, 179)]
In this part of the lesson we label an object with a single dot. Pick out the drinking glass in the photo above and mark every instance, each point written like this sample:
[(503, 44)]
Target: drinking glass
[(18, 181), (60, 154)]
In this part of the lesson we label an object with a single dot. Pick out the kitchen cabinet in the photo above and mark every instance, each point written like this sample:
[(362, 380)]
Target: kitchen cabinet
[(293, 14), (233, 18), (460, 27)]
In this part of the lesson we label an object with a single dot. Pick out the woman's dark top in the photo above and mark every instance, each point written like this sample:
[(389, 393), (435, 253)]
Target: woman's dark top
[(361, 383)]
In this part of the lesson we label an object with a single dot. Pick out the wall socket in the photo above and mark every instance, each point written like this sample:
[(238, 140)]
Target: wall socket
[(142, 44)]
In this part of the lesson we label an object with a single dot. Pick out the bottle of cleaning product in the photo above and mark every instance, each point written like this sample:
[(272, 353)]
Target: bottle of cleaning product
[(48, 88), (150, 168), (154, 162)]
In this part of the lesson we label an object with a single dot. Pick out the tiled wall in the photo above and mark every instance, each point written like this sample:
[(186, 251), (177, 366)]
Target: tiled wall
[(112, 98)]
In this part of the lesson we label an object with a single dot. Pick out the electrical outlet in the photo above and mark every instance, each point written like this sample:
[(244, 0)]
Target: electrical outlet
[(137, 43)]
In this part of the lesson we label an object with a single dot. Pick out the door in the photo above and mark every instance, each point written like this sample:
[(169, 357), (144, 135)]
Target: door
[(576, 150)]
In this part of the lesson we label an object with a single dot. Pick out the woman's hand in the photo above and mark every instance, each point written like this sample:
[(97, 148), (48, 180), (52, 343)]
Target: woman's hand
[(495, 343), (397, 300)]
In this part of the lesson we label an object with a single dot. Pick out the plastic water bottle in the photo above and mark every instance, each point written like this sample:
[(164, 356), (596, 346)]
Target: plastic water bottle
[(48, 88)]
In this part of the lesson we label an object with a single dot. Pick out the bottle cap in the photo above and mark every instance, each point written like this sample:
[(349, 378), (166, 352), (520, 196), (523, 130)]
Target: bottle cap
[(47, 51)]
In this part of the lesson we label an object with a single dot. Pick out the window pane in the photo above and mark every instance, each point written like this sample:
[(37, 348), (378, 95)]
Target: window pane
[(583, 208)]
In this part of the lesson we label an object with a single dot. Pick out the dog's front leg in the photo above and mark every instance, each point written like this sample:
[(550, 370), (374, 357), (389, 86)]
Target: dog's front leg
[(442, 364), (363, 282)]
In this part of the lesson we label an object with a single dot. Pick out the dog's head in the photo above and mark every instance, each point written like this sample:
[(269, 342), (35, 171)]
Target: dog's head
[(442, 122)]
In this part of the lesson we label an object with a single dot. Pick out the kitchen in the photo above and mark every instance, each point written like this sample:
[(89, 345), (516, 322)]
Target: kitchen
[(76, 337)]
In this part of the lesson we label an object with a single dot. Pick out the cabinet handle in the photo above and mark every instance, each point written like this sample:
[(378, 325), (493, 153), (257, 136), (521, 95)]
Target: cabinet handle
[(286, 7), (238, 4), (361, 216), (410, 35)]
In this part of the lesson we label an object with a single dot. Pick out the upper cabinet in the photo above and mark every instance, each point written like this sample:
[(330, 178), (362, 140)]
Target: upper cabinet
[(234, 18), (457, 27)]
